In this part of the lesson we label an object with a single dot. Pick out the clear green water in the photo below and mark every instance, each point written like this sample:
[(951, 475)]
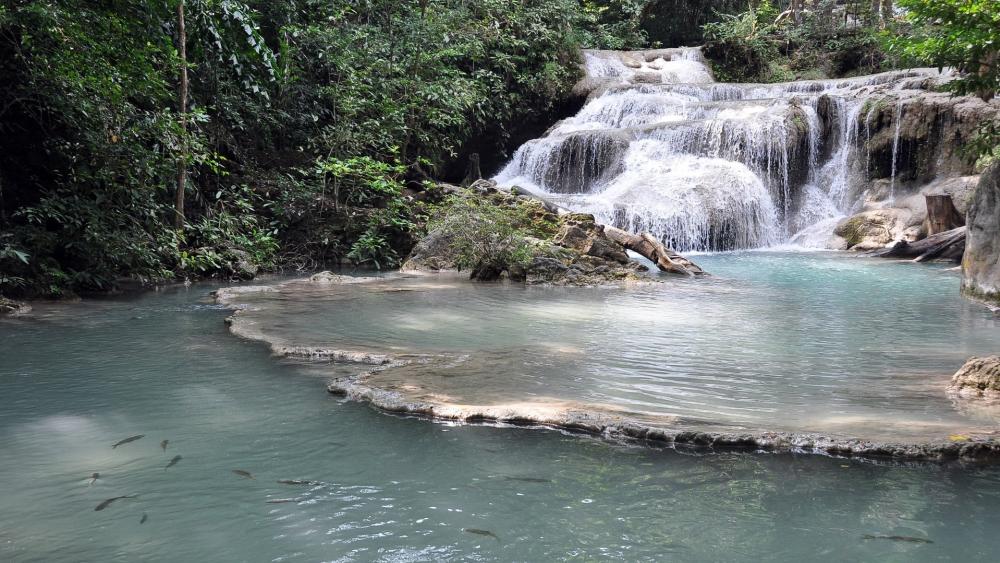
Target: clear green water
[(818, 342), (76, 378)]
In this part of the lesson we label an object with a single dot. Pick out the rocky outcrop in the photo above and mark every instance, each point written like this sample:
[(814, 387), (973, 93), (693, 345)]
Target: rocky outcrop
[(13, 308), (580, 254), (979, 377), (926, 133), (981, 263), (563, 247)]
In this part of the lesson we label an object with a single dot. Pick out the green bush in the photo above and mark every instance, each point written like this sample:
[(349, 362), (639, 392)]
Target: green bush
[(306, 121), (488, 239)]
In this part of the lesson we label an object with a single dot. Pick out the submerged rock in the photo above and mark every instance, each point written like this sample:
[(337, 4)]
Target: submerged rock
[(327, 277), (981, 263), (979, 377)]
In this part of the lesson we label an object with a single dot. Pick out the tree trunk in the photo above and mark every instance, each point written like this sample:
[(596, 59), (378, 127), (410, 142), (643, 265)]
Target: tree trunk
[(182, 107), (941, 214), (472, 171), (985, 68), (886, 12)]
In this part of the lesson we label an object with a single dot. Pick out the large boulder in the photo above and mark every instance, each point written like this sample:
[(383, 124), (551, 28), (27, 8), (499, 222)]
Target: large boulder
[(876, 228), (433, 253), (981, 262), (979, 377), (580, 232)]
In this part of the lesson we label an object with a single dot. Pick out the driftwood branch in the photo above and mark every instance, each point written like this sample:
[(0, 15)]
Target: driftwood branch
[(949, 244), (647, 245)]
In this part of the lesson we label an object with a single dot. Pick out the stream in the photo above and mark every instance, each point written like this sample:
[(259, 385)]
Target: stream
[(77, 378)]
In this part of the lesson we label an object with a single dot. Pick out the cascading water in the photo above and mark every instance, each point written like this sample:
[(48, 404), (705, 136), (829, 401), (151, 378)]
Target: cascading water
[(661, 147)]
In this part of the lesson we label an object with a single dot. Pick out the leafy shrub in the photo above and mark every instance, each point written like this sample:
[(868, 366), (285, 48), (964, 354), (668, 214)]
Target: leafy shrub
[(488, 239), (373, 248), (741, 46)]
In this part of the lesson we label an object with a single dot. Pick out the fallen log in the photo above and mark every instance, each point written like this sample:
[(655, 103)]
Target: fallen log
[(648, 246), (949, 244)]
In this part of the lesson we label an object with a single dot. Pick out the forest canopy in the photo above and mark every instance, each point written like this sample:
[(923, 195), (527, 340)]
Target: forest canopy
[(298, 130)]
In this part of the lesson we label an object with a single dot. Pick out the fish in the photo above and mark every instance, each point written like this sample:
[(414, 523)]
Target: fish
[(297, 482), (528, 479), (127, 440), (94, 478), (163, 444), (107, 503), (173, 462), (144, 518), (479, 532), (245, 474), (282, 500), (897, 538)]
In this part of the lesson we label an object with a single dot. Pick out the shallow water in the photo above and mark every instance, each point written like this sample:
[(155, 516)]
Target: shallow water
[(76, 378), (774, 341)]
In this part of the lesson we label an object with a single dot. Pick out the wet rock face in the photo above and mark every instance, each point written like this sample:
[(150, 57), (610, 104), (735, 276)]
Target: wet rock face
[(925, 132), (979, 377), (981, 263)]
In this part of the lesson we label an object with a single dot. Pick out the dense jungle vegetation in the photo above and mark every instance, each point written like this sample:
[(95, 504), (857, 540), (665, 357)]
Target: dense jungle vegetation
[(168, 139)]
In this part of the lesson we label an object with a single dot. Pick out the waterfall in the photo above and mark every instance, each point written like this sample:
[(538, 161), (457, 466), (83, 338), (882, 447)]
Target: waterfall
[(897, 118), (661, 147)]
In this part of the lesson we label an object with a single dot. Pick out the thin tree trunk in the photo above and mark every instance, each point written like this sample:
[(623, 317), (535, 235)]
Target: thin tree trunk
[(182, 97)]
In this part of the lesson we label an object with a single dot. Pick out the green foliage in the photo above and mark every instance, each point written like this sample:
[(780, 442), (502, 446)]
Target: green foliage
[(486, 237), (741, 45), (373, 248), (829, 39), (307, 121), (613, 24), (962, 34), (10, 258)]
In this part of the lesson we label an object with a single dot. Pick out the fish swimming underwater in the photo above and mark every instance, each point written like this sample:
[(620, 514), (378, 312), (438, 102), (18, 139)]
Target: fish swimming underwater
[(173, 462), (163, 444), (108, 502), (127, 440), (93, 478), (297, 482), (479, 532), (244, 474), (144, 518), (909, 539), (528, 479)]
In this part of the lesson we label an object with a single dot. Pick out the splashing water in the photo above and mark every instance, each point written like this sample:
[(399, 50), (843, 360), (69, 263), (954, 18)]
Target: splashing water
[(702, 165)]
